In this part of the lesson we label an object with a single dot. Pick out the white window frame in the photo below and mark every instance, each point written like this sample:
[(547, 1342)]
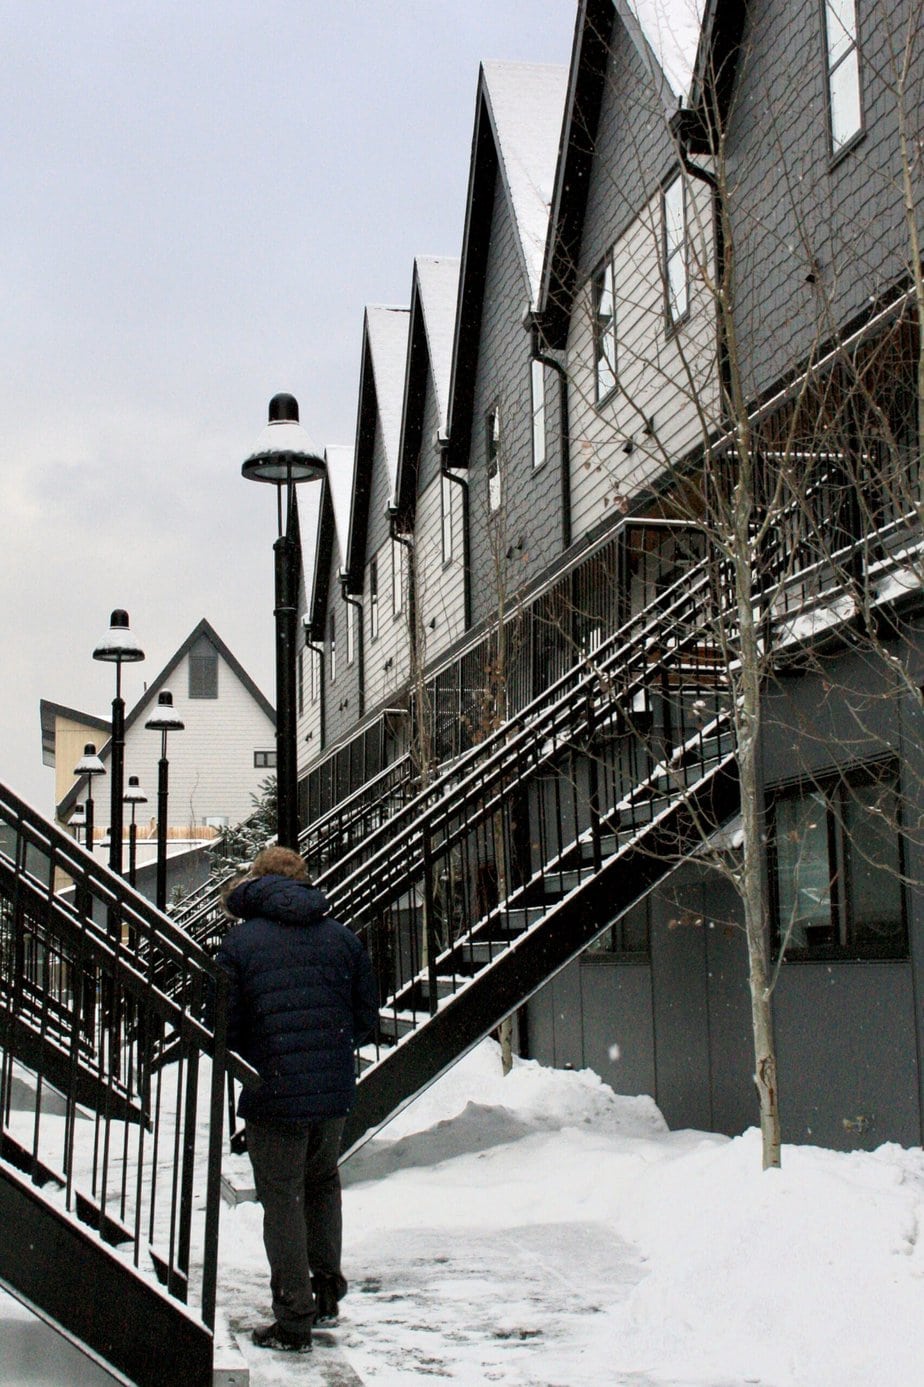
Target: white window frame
[(537, 394), (675, 250), (842, 60), (603, 307)]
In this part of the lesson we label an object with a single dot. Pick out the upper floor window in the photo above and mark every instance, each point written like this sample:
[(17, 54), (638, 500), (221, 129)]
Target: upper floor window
[(332, 630), (493, 448), (844, 111), (676, 259), (397, 577), (264, 760), (203, 674), (604, 325), (373, 599), (446, 515), (836, 857), (537, 383)]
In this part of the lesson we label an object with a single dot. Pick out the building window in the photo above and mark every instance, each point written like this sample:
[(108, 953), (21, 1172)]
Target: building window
[(676, 259), (351, 631), (493, 444), (264, 760), (314, 666), (537, 382), (332, 630), (836, 858), (604, 310), (397, 577), (845, 114), (446, 515), (374, 599), (203, 675)]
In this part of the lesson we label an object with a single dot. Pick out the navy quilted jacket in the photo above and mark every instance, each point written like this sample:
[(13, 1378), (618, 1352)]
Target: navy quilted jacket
[(302, 995)]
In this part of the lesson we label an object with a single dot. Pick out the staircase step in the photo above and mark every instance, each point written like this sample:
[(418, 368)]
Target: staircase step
[(394, 1024)]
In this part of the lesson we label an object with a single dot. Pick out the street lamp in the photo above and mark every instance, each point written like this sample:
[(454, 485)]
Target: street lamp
[(118, 647), (284, 455), (134, 796), (89, 765), (164, 720), (77, 821)]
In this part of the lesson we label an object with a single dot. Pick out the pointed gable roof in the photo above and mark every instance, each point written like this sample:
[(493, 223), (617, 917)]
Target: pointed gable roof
[(333, 527), (147, 699), (518, 115), (434, 291), (659, 39), (381, 395)]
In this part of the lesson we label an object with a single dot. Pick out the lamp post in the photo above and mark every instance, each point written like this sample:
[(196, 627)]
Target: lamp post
[(284, 455), (77, 821), (164, 720), (118, 647), (89, 765), (133, 796)]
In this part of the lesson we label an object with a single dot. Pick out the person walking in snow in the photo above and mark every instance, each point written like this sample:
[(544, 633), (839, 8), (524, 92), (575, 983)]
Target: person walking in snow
[(302, 997)]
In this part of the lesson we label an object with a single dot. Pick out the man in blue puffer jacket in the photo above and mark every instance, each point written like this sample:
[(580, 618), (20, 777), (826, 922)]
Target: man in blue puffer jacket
[(302, 997)]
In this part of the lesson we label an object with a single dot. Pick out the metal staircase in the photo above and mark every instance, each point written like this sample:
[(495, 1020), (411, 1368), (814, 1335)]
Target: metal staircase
[(101, 1156), (503, 870)]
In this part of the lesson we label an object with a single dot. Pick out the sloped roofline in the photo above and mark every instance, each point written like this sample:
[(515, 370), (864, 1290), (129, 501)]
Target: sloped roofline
[(204, 628), (486, 162), (586, 84), (50, 711)]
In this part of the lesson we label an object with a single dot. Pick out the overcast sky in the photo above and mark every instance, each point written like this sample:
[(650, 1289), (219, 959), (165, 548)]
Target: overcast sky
[(198, 200)]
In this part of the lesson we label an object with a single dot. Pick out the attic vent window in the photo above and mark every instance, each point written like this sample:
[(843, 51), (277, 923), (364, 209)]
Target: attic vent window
[(203, 675)]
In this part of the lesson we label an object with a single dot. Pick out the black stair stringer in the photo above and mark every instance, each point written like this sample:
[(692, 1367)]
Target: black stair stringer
[(90, 1295), (539, 953)]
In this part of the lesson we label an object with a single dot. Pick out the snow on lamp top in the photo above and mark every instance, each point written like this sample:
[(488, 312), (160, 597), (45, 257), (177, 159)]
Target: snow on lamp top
[(283, 451), (118, 645), (164, 719)]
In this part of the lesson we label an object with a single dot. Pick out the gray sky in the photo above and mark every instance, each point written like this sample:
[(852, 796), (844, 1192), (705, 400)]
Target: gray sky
[(198, 200)]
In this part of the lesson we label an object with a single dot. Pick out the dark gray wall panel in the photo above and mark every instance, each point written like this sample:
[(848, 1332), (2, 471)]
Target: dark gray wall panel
[(618, 1034)]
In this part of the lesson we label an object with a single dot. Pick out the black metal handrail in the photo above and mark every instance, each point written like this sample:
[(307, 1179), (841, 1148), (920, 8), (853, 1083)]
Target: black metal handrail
[(123, 1146)]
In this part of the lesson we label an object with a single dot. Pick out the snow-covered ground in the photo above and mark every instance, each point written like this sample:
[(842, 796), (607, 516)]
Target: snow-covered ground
[(538, 1231)]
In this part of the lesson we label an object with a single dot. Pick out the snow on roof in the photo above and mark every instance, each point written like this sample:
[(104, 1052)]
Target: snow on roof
[(672, 29), (387, 329), (527, 102), (340, 461), (438, 278)]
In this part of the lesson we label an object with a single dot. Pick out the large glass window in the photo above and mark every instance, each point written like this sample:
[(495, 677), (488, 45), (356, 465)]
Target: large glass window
[(836, 866), (604, 310), (845, 113), (676, 266)]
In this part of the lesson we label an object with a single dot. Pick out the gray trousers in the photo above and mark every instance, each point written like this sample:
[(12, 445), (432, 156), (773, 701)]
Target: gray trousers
[(298, 1184)]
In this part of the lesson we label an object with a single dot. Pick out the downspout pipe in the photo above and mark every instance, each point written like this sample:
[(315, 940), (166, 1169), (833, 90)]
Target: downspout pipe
[(360, 642), (443, 444), (408, 543), (539, 355), (681, 129)]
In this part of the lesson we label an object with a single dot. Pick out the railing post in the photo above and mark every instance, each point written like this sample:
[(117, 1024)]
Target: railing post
[(429, 911), (216, 1139)]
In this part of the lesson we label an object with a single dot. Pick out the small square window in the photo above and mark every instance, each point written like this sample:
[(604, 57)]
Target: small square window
[(264, 760)]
